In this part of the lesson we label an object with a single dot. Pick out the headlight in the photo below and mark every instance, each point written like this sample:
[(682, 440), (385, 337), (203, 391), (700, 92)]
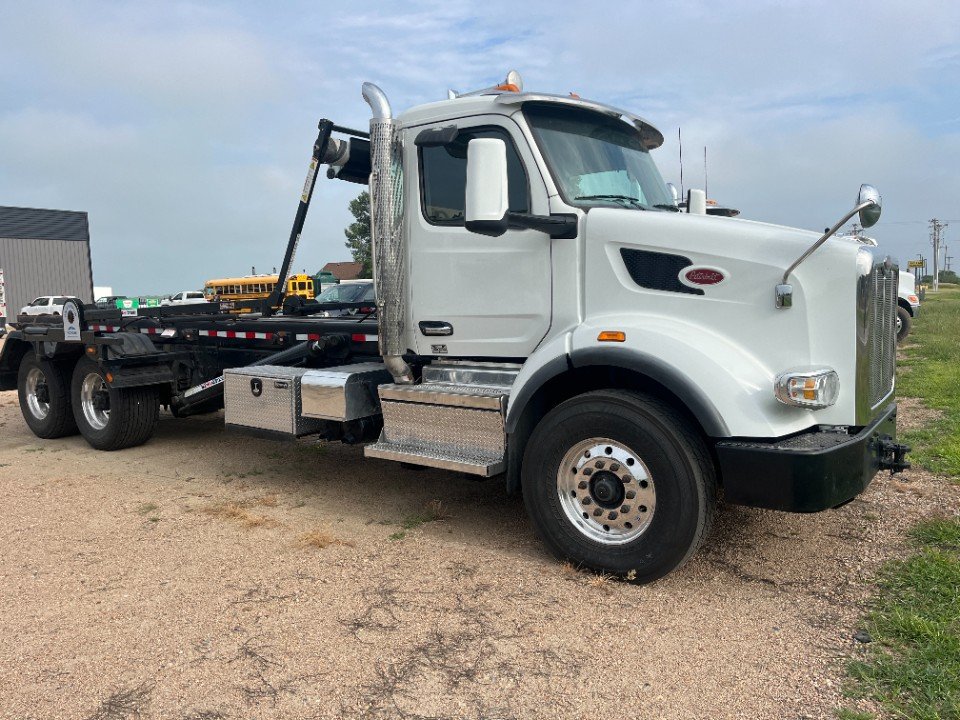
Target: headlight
[(812, 388)]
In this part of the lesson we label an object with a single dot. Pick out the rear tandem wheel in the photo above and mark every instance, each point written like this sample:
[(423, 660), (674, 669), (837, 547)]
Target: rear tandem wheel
[(111, 418), (44, 390)]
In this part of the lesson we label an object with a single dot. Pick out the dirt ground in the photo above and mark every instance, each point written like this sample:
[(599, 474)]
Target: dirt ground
[(210, 575)]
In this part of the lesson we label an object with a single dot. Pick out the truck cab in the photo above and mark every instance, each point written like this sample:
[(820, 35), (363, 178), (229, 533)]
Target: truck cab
[(546, 263)]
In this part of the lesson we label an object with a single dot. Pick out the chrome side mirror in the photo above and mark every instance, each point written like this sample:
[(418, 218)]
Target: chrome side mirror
[(871, 213), (487, 196)]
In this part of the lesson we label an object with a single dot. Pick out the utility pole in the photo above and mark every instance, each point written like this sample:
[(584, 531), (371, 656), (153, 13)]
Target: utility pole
[(936, 235), (856, 230)]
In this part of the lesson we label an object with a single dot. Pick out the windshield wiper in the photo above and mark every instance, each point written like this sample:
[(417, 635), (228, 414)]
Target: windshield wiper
[(667, 206), (632, 200)]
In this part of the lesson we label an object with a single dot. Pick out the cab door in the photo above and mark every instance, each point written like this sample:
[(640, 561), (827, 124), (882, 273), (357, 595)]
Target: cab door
[(472, 295)]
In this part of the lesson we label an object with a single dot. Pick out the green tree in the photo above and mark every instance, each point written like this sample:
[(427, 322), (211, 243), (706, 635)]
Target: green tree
[(358, 233)]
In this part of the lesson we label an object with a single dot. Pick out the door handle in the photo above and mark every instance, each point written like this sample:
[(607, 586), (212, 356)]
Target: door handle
[(435, 328)]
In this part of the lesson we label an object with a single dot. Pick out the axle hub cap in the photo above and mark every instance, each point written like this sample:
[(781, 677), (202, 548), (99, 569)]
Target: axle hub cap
[(38, 393), (606, 491), (95, 401)]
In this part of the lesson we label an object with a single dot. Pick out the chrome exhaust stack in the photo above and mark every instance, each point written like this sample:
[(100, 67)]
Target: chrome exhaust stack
[(386, 230)]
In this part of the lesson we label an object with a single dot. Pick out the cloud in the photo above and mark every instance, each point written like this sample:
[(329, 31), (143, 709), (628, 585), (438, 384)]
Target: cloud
[(184, 129)]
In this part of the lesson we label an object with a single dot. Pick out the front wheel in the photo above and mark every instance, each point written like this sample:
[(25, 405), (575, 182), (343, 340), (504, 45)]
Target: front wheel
[(615, 482), (44, 393), (111, 418), (903, 324)]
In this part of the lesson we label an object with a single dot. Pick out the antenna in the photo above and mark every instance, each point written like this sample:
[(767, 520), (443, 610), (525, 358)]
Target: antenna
[(706, 185), (680, 142)]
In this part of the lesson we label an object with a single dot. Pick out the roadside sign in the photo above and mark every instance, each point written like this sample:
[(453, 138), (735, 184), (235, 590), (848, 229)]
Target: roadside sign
[(916, 263), (128, 306)]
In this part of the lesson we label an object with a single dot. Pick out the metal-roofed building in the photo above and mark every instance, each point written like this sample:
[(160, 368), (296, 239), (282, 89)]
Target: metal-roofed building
[(44, 252)]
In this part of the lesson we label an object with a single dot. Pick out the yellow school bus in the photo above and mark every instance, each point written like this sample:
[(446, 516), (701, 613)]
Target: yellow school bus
[(251, 287)]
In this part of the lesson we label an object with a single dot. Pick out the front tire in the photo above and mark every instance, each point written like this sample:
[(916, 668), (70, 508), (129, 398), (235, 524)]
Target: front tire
[(111, 418), (903, 324), (615, 482), (44, 392)]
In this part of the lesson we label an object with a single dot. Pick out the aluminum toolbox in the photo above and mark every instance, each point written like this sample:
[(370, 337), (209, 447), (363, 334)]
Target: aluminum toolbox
[(267, 397)]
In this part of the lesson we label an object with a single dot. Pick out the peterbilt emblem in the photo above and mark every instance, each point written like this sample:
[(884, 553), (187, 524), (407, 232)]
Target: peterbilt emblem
[(256, 387), (702, 276)]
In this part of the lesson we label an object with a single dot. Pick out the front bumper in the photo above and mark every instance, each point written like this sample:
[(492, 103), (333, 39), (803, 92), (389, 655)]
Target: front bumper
[(809, 472)]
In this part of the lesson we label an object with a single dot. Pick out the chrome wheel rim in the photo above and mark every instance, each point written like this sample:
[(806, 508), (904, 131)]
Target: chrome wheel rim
[(38, 408), (92, 387), (899, 324), (606, 491)]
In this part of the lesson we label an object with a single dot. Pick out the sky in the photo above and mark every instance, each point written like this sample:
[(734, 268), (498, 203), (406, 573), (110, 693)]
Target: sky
[(184, 129)]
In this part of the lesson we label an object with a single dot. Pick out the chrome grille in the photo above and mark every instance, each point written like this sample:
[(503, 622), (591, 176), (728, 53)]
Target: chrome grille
[(876, 333), (883, 345)]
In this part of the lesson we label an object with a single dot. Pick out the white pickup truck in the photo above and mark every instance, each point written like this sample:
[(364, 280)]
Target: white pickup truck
[(908, 304)]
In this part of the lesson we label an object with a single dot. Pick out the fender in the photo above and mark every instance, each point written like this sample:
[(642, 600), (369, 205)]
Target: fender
[(627, 359), (656, 369)]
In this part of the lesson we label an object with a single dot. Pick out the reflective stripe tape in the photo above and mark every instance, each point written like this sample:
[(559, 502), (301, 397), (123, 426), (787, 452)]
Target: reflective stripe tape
[(105, 328), (310, 336), (235, 334), (364, 338)]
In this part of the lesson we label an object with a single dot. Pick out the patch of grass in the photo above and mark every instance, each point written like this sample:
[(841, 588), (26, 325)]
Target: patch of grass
[(321, 539), (34, 449), (943, 533), (931, 372), (912, 669), (398, 535), (239, 512), (844, 714), (432, 512), (147, 508)]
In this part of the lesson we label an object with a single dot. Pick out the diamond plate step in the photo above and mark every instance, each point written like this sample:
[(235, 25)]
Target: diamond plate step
[(435, 393), (474, 464)]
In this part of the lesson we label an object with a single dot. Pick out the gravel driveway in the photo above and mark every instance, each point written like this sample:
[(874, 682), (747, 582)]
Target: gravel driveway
[(210, 575)]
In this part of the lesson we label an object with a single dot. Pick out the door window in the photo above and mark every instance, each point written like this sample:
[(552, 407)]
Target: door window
[(443, 172)]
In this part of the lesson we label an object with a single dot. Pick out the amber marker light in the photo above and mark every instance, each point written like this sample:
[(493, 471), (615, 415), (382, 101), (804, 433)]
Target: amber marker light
[(612, 336)]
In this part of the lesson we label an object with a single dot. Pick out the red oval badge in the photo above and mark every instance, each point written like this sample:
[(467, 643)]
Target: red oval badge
[(704, 276)]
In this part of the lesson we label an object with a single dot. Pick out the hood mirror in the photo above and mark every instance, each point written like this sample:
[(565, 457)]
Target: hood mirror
[(869, 214), (868, 207)]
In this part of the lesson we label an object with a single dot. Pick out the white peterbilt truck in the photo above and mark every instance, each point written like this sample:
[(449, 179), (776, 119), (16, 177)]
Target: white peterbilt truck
[(545, 313)]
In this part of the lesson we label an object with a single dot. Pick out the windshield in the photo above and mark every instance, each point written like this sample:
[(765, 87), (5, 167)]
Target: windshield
[(344, 292), (597, 160)]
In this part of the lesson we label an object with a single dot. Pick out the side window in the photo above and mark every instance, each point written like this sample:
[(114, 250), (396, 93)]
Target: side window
[(444, 177)]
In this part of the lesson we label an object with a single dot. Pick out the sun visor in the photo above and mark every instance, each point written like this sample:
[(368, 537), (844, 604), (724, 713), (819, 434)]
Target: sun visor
[(650, 136)]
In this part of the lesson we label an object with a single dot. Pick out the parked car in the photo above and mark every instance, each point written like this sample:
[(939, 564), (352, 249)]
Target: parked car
[(908, 304), (109, 301), (45, 305), (349, 291), (185, 297)]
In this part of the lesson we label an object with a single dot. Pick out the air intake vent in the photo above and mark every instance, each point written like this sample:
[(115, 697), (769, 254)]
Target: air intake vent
[(657, 271)]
